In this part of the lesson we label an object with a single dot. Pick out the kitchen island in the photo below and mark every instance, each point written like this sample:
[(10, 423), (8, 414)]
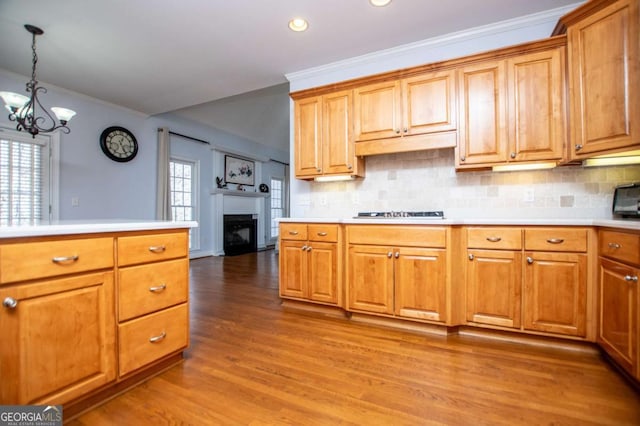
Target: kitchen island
[(90, 309)]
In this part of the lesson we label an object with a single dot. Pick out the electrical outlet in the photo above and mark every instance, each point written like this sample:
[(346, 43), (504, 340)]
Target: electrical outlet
[(529, 195), (323, 200), (355, 198), (75, 201)]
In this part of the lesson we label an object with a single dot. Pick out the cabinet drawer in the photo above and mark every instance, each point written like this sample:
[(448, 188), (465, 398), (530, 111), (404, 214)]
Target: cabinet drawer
[(293, 231), (24, 261), (148, 288), (150, 248), (322, 232), (494, 238), (152, 337), (556, 239), (622, 246), (412, 236)]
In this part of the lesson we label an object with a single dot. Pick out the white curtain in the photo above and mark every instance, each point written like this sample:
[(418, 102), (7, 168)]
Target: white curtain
[(163, 196)]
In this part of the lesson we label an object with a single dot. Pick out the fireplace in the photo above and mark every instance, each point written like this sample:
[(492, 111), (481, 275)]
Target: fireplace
[(240, 234)]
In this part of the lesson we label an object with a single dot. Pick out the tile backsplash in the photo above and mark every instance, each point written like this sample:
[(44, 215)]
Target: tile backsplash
[(427, 180)]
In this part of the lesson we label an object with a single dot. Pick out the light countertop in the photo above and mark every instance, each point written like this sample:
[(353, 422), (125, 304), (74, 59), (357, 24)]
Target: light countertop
[(90, 227), (632, 224)]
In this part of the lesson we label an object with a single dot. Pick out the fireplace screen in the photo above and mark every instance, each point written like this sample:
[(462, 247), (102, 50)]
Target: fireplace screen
[(240, 234)]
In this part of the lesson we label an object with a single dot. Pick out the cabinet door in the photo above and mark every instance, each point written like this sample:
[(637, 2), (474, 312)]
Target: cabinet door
[(429, 103), (337, 139), (603, 80), (308, 137), (555, 293), (618, 313), (322, 267), (58, 343), (377, 111), (482, 124), (494, 287), (420, 284), (536, 106), (293, 269), (370, 275)]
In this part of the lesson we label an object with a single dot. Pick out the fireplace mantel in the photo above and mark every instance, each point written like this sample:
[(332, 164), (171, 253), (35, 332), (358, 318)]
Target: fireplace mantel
[(236, 193)]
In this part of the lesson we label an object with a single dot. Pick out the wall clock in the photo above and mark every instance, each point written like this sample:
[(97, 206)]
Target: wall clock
[(263, 187), (119, 144)]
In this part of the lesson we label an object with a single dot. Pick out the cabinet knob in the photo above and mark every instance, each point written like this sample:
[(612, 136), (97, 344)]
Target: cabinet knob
[(471, 257), (309, 248), (405, 130), (397, 131), (303, 248), (318, 169), (349, 166), (630, 278), (463, 158), (9, 302), (529, 260), (512, 155), (389, 255), (614, 245), (397, 255), (157, 249), (578, 147)]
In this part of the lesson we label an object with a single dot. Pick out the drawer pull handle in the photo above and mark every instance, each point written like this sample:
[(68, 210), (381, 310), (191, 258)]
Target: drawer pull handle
[(157, 249), (65, 259), (555, 241), (158, 289), (322, 234), (9, 302), (614, 245), (629, 278), (293, 232), (158, 338), (494, 239)]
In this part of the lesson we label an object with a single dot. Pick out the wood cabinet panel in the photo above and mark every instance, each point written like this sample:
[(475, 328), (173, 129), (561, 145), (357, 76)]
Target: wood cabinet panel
[(371, 278), (378, 111), (152, 247), (338, 145), (412, 236), (147, 288), (494, 238), (429, 103), (555, 295), (322, 232), (603, 80), (494, 287), (59, 341), (25, 261), (293, 231), (621, 246), (618, 314), (556, 239), (420, 284), (322, 272), (293, 271), (151, 337), (308, 136)]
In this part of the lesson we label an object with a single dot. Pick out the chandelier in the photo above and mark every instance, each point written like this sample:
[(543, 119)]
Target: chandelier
[(22, 109)]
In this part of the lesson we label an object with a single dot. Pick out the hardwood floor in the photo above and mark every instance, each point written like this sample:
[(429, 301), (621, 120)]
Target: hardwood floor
[(252, 362)]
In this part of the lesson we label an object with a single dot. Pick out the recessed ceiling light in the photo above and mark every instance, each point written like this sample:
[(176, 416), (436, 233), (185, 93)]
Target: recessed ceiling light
[(298, 24), (379, 3)]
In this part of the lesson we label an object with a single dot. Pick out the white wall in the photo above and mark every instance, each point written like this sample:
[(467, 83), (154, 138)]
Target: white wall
[(110, 190), (428, 180)]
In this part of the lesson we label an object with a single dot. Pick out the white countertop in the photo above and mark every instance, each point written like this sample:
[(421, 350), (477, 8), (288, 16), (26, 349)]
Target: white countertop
[(90, 227), (633, 224)]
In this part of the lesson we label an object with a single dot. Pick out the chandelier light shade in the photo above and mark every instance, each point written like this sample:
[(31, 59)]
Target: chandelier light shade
[(23, 109)]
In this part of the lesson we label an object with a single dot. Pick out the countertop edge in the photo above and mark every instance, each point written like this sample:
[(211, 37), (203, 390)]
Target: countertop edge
[(90, 227)]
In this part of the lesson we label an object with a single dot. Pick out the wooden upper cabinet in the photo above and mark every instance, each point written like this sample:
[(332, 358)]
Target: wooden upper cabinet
[(324, 142), (536, 106), (483, 114), (512, 110), (308, 137), (603, 79), (407, 114)]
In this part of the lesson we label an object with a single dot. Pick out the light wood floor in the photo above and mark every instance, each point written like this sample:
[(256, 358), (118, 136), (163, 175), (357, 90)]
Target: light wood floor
[(253, 363)]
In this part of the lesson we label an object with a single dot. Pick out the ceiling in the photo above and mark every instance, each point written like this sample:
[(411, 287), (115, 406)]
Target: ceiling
[(157, 56)]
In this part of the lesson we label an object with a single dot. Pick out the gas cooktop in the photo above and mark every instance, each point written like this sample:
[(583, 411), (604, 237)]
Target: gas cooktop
[(436, 214)]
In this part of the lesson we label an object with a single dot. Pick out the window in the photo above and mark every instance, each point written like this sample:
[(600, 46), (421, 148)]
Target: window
[(27, 184), (183, 177), (277, 204)]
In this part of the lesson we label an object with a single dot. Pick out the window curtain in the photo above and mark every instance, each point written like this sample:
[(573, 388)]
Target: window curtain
[(163, 196)]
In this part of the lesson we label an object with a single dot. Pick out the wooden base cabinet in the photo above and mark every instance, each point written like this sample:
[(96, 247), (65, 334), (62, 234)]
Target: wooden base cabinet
[(619, 298), (408, 281), (310, 262)]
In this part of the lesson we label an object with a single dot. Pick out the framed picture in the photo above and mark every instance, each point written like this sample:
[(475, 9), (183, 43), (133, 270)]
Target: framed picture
[(238, 170)]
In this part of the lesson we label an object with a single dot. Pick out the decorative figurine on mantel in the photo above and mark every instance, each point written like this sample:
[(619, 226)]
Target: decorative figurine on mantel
[(240, 187), (221, 183)]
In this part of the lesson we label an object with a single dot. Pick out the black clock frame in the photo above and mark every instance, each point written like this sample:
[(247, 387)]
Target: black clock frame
[(105, 149)]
